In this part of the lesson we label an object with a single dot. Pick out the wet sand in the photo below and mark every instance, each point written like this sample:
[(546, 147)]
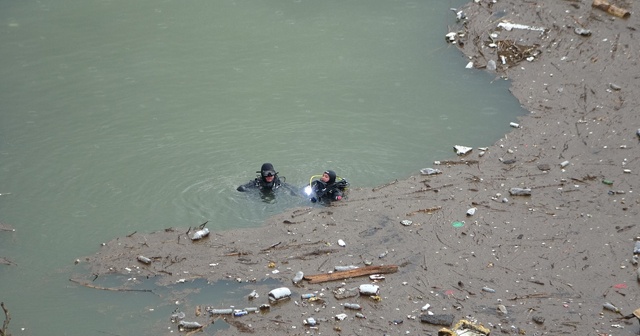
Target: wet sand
[(547, 262)]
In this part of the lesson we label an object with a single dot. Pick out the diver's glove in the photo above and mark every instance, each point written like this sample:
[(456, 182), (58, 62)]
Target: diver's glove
[(313, 200), (338, 198)]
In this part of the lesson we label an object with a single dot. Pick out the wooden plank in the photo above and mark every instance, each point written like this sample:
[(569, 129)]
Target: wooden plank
[(367, 270)]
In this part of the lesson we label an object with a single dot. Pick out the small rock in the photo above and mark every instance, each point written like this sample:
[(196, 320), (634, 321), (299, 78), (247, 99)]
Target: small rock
[(438, 319), (538, 319), (544, 167)]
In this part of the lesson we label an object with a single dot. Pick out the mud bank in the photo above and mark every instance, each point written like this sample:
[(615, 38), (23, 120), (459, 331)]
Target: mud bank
[(542, 264)]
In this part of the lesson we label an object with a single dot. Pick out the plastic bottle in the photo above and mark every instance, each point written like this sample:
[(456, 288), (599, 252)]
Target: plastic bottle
[(353, 306), (307, 296), (189, 325), (224, 311), (520, 191), (345, 268), (298, 277), (240, 313), (144, 260), (200, 234)]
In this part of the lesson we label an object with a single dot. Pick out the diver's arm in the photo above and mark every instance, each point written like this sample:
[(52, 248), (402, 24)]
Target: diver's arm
[(247, 186)]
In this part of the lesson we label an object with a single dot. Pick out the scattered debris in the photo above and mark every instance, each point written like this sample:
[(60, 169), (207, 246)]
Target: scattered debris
[(462, 150), (508, 26), (466, 328), (430, 171)]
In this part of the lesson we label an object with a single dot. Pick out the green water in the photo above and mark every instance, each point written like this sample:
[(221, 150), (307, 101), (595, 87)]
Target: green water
[(120, 116)]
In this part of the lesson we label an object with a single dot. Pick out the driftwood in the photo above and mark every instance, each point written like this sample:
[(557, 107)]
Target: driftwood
[(367, 270), (611, 9)]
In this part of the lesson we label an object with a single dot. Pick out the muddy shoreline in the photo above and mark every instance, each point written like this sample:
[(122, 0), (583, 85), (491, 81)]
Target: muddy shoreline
[(551, 259)]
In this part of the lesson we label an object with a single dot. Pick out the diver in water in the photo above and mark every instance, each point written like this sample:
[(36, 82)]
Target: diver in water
[(267, 180), (328, 188)]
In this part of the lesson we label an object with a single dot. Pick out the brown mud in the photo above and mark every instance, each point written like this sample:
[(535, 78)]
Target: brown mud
[(548, 262)]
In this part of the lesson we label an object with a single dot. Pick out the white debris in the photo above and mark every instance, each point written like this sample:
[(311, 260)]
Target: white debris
[(510, 26)]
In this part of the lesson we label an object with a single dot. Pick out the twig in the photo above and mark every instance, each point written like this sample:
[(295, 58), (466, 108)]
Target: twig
[(5, 325), (272, 246), (110, 289), (384, 185), (428, 211)]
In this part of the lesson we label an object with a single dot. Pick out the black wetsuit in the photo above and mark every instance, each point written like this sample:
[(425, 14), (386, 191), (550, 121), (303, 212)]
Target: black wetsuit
[(331, 190), (260, 182)]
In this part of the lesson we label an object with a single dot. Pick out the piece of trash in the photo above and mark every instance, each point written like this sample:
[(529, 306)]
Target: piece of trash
[(502, 309), (469, 65), (636, 247), (425, 307), (607, 182), (369, 289), (508, 26), (200, 234), (342, 293), (611, 307), (460, 15), (488, 290), (383, 254), (466, 328), (491, 65), (279, 294), (376, 277), (360, 315), (223, 311), (240, 312), (611, 9), (520, 192), (298, 277), (471, 211), (345, 268), (462, 150), (253, 295), (514, 125), (451, 36), (189, 325), (144, 260), (437, 319), (564, 164), (341, 317), (430, 171), (406, 222), (582, 31), (626, 171), (615, 87), (353, 306), (178, 316), (341, 243), (457, 224), (307, 296), (620, 286), (310, 321), (638, 133)]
